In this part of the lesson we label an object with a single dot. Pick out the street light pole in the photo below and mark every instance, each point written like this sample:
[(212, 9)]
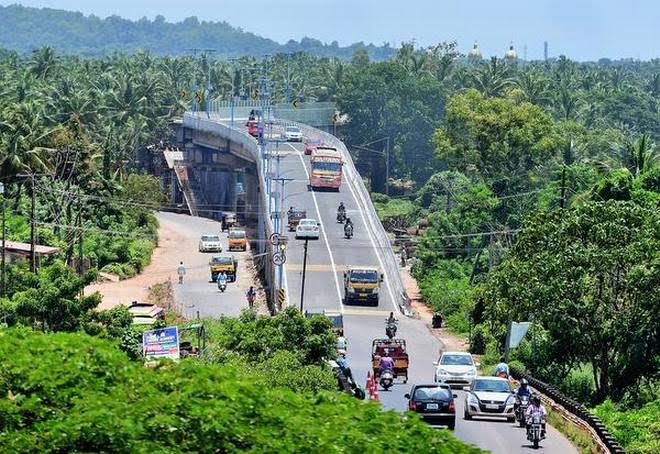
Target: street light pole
[(4, 235)]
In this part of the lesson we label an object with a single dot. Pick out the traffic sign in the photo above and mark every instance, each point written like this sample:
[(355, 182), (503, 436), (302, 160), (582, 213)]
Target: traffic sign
[(279, 258), (274, 238), (281, 296), (295, 103)]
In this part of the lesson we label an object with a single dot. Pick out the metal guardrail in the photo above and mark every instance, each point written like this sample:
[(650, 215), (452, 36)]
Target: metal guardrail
[(575, 408), (382, 239)]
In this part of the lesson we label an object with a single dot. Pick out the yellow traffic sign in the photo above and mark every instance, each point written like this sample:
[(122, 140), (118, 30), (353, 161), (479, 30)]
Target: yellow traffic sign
[(281, 297), (295, 103)]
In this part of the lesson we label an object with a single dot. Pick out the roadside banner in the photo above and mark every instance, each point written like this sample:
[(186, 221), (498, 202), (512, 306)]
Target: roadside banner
[(517, 333), (161, 343)]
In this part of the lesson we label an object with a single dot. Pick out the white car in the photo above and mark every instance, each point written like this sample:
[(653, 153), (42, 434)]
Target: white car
[(489, 397), (455, 368), (293, 134), (210, 243), (308, 228)]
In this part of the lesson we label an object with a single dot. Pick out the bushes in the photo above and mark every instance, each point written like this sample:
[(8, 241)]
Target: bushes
[(446, 288), (638, 431), (72, 392)]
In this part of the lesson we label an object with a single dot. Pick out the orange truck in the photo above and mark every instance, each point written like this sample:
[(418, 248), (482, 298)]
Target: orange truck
[(326, 164)]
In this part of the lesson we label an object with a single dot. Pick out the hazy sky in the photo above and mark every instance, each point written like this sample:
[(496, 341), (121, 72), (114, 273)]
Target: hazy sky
[(581, 29)]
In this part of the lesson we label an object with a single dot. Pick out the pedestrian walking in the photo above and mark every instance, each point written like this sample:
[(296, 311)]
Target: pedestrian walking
[(181, 271)]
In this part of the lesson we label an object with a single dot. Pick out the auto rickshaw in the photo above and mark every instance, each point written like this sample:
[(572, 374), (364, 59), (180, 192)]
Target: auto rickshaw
[(396, 348)]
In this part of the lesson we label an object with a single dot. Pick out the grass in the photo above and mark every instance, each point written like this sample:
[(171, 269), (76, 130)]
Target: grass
[(580, 437)]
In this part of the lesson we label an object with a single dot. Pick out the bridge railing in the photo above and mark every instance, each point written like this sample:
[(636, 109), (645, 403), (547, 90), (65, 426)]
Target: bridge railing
[(381, 238)]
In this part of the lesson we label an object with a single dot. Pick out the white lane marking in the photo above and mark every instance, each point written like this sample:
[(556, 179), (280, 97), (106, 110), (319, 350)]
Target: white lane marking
[(325, 237), (373, 244)]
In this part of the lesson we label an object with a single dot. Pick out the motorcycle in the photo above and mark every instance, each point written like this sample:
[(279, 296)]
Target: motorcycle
[(348, 231), (522, 402), (386, 379), (341, 216), (222, 286), (534, 429), (390, 329)]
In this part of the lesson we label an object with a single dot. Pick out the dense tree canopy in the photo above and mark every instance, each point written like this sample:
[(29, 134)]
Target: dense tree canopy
[(589, 276)]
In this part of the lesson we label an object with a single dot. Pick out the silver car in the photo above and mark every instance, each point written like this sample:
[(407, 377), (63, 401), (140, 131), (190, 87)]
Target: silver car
[(489, 397), (210, 243)]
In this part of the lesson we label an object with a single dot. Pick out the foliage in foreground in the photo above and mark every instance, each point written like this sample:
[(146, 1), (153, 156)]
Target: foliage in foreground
[(638, 431), (71, 392)]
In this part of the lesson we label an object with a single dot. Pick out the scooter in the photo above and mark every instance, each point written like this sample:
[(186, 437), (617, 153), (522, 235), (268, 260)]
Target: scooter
[(386, 379), (390, 329), (341, 217), (534, 430)]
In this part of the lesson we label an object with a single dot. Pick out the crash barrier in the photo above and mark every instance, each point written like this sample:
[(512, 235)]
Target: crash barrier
[(200, 121), (371, 387), (604, 438), (383, 244)]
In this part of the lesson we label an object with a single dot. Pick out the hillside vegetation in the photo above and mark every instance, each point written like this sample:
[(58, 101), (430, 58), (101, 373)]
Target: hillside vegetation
[(75, 33)]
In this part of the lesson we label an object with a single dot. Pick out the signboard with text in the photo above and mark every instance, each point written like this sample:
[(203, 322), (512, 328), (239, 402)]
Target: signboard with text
[(161, 343)]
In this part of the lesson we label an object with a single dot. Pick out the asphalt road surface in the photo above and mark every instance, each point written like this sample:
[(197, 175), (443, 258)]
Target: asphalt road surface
[(328, 258), (198, 293)]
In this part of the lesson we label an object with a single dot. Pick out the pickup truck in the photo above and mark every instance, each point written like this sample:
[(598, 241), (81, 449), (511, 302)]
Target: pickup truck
[(237, 240), (223, 263)]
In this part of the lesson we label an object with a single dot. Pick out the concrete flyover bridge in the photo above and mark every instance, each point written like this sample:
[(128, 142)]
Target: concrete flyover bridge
[(282, 172)]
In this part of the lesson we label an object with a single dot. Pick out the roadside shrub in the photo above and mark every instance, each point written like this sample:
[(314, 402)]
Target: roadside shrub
[(75, 393), (579, 384), (478, 339), (638, 431)]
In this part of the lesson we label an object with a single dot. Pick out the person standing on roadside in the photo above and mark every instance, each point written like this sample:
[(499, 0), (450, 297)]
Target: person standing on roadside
[(251, 295), (181, 271)]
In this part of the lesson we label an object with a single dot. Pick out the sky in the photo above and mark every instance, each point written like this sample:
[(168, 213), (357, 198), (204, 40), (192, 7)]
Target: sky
[(580, 29)]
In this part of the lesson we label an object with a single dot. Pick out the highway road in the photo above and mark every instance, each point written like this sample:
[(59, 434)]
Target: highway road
[(327, 258)]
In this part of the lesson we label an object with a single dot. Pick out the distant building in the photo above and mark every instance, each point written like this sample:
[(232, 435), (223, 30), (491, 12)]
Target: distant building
[(511, 55), (475, 53), (545, 50), (15, 251)]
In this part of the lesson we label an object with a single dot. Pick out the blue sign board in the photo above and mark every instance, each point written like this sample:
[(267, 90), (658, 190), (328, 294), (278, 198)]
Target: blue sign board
[(161, 343)]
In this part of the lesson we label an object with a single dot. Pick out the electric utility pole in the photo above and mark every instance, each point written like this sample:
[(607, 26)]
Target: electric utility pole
[(304, 275), (33, 229)]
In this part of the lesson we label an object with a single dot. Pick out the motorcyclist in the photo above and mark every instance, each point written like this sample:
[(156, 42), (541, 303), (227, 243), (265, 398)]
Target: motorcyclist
[(536, 408), (522, 391), (386, 362), (502, 368), (342, 362), (347, 225), (391, 318), (222, 280), (341, 209)]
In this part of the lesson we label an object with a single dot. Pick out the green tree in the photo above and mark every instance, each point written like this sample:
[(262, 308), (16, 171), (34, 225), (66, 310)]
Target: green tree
[(589, 276), (497, 139)]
